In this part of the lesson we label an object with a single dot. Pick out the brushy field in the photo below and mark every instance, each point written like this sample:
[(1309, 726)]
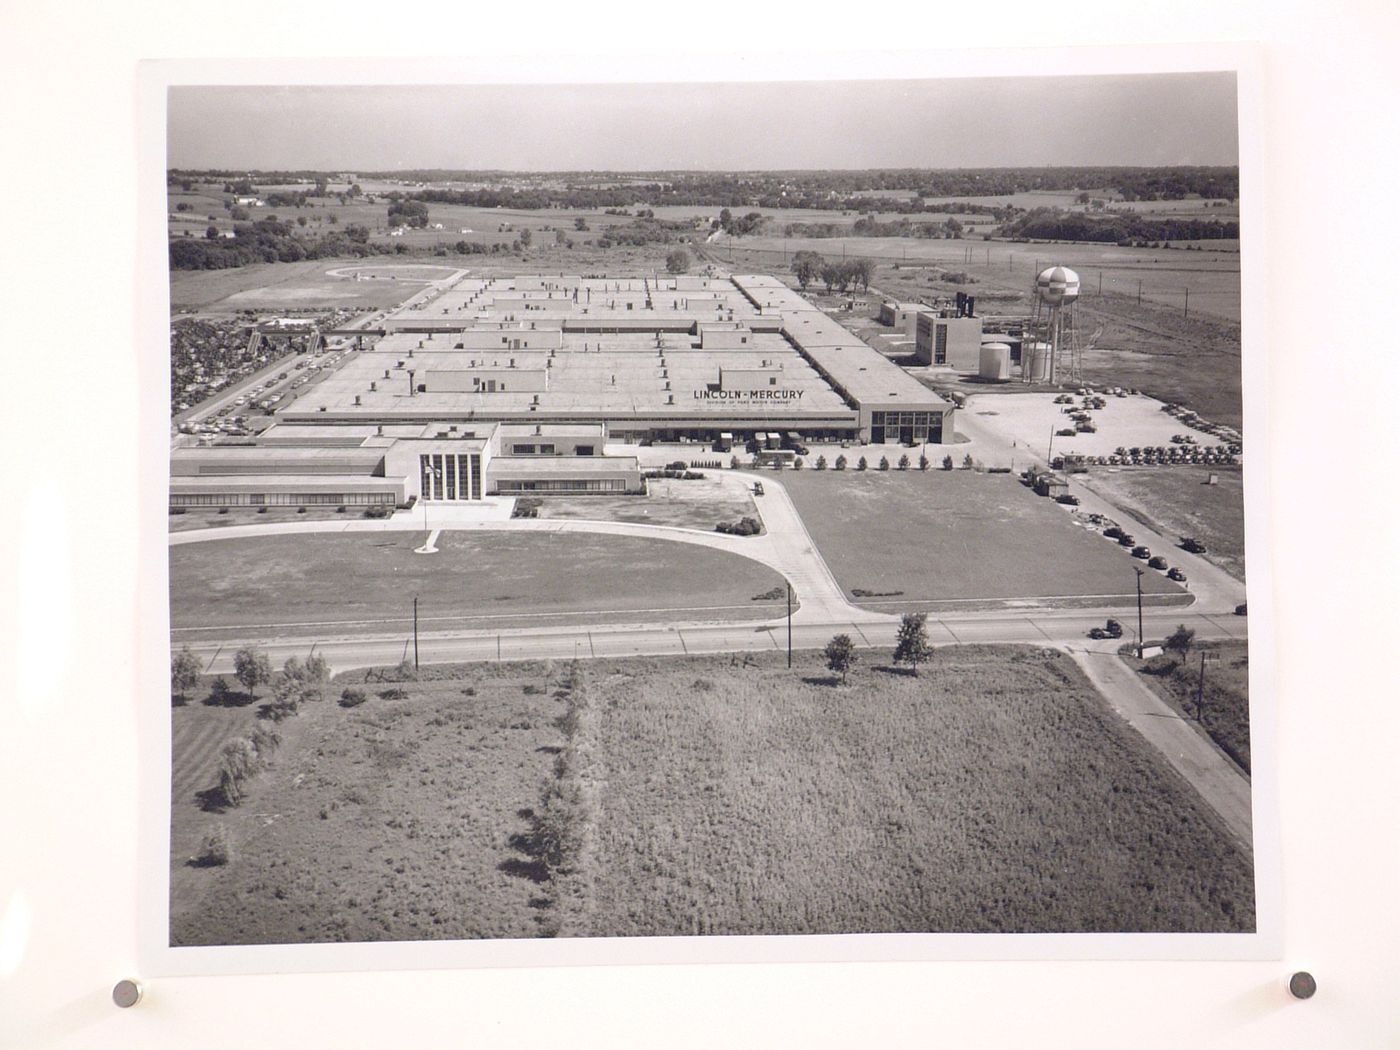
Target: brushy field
[(709, 795), (369, 579), (392, 820), (956, 536), (1225, 712), (994, 792), (1178, 502)]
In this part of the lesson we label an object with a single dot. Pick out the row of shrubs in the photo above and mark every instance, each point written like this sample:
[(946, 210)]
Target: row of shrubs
[(671, 472), (745, 526)]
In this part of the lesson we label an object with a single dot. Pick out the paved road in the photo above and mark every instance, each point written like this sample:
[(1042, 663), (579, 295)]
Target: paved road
[(1060, 628)]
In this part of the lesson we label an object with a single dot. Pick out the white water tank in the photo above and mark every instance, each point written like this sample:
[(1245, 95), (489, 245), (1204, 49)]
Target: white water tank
[(1035, 361), (994, 362)]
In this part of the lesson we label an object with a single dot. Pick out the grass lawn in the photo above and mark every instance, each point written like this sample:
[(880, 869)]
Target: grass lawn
[(1178, 502), (995, 792), (367, 581), (1225, 713), (686, 504), (948, 538)]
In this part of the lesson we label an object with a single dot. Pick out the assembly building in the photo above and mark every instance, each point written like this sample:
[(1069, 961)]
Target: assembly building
[(540, 383)]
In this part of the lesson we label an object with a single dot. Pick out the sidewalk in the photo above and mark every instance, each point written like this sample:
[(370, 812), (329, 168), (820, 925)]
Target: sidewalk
[(1221, 783)]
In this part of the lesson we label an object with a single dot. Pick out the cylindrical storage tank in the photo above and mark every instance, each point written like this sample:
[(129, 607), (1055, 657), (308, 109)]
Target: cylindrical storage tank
[(1035, 361), (994, 362)]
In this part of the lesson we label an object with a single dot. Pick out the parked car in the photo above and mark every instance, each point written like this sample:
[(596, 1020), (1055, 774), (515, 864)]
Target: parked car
[(1141, 552), (1125, 539), (1069, 499), (1113, 628), (1176, 574), (758, 488), (1157, 562), (1113, 532), (1242, 609), (1192, 545)]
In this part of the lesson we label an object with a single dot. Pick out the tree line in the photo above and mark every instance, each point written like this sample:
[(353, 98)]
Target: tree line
[(1116, 228)]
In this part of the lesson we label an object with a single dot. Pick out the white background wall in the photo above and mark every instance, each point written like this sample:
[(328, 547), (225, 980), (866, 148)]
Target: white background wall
[(69, 871)]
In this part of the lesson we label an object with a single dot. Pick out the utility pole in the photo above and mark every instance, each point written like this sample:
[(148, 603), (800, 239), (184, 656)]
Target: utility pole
[(415, 632), (1201, 688), (1186, 310), (1139, 597), (789, 625), (1101, 282), (1049, 447), (1139, 291)]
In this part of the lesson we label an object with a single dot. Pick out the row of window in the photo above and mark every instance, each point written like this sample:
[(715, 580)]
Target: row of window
[(281, 499), (563, 485)]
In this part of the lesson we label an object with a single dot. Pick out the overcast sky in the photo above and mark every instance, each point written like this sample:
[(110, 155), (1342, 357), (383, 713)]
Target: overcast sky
[(1152, 119)]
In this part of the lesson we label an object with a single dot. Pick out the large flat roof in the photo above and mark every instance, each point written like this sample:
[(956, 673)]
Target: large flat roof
[(639, 360)]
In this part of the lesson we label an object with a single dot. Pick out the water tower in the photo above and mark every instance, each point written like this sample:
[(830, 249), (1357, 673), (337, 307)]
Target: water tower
[(1052, 324)]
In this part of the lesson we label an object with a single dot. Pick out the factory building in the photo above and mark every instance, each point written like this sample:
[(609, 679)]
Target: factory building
[(903, 316), (366, 466), (510, 385)]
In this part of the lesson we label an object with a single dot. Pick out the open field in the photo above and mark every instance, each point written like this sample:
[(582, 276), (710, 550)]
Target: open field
[(1225, 714), (270, 287), (387, 821), (955, 538), (994, 792), (1177, 501), (1213, 278), (365, 581)]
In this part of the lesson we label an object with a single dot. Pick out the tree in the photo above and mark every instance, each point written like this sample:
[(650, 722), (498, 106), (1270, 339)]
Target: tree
[(678, 261), (251, 667), (884, 462), (580, 223), (807, 265), (211, 233), (911, 645), (947, 462), (840, 655), (861, 270), (526, 237), (923, 462), (903, 463), (967, 463), (861, 464), (840, 462), (1180, 641), (355, 190), (185, 668), (821, 463)]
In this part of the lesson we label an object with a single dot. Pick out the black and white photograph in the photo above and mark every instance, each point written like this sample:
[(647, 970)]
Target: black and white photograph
[(690, 526), (707, 509)]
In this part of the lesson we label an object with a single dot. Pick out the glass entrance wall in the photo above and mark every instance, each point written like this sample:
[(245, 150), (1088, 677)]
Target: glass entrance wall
[(909, 428), (449, 476)]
